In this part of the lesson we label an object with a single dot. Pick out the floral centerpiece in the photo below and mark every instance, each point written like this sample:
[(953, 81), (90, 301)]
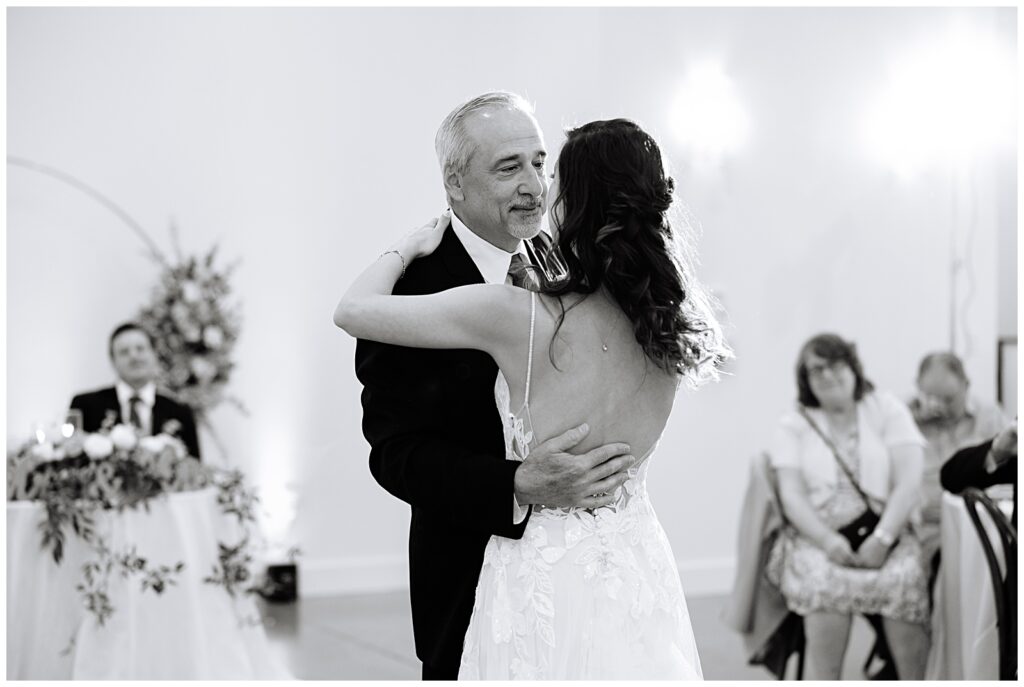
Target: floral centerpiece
[(113, 469)]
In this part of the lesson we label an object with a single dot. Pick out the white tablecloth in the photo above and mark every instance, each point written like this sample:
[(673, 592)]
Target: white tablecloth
[(193, 630), (965, 643)]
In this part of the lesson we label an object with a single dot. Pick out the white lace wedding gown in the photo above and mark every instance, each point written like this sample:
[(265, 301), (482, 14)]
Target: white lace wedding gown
[(584, 594)]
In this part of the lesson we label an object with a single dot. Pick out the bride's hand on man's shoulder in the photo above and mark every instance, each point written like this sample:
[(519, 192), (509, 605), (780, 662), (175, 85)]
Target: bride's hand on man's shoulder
[(423, 241)]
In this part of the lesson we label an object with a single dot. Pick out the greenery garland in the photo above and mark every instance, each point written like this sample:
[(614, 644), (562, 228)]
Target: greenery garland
[(114, 469)]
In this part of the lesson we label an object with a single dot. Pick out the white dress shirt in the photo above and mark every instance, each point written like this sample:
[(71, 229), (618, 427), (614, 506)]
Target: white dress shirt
[(493, 263), (147, 394)]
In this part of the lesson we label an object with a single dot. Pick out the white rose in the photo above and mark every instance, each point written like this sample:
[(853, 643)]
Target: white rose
[(203, 311), (44, 451), (180, 314), (190, 291), (98, 446), (179, 375), (123, 437), (213, 337), (191, 333), (203, 369), (153, 444)]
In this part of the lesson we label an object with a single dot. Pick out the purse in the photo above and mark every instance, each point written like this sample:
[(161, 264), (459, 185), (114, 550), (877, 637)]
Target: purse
[(860, 528)]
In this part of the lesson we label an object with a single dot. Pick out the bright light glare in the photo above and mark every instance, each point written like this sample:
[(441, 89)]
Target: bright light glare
[(944, 103), (278, 499), (707, 116)]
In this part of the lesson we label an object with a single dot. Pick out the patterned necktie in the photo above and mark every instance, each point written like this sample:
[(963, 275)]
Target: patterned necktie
[(520, 275), (133, 417)]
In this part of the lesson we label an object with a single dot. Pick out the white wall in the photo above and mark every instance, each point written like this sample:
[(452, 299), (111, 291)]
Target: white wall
[(301, 140)]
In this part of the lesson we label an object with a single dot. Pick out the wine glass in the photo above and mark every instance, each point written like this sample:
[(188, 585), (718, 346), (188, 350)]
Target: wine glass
[(39, 431), (72, 423)]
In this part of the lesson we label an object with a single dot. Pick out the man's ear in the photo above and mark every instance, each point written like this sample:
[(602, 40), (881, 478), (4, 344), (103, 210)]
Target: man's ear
[(453, 186)]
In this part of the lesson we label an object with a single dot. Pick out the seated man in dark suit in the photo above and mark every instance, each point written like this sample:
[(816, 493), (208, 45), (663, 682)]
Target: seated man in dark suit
[(984, 465), (134, 400)]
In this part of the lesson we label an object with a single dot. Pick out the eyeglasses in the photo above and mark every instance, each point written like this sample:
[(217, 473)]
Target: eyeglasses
[(937, 401), (835, 367)]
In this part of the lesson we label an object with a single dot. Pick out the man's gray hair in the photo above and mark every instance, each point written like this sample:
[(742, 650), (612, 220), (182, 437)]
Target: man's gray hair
[(452, 145), (945, 359)]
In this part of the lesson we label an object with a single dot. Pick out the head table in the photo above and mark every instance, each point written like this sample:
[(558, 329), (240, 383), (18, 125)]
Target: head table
[(192, 630)]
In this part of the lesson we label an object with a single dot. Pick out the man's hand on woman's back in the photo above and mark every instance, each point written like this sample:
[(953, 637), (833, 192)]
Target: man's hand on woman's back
[(552, 476)]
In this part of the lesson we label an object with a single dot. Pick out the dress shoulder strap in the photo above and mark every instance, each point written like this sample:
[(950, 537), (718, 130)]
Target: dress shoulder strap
[(529, 359)]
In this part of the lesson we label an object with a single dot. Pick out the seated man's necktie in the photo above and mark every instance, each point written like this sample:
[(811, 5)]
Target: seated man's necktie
[(133, 417)]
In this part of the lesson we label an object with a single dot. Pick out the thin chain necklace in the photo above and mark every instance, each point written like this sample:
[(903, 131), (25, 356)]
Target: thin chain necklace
[(608, 332)]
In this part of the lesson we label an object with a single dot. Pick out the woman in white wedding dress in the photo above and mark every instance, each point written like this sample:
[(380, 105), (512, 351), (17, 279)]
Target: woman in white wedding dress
[(585, 594)]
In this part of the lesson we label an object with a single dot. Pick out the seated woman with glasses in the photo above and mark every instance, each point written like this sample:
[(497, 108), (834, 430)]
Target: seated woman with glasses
[(843, 449)]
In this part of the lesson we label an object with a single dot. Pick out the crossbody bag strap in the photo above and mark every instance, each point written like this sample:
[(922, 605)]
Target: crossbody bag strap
[(835, 452)]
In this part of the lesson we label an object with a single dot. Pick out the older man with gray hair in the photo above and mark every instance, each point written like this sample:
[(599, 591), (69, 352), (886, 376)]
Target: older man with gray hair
[(950, 419)]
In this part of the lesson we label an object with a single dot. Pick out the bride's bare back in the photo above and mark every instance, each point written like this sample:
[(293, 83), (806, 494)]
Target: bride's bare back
[(602, 376)]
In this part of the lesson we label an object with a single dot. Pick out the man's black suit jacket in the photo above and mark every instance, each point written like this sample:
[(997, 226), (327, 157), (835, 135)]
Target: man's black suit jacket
[(96, 404), (436, 443), (967, 469)]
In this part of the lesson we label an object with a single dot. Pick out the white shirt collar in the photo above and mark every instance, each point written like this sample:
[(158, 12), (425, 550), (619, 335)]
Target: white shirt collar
[(146, 393), (493, 262)]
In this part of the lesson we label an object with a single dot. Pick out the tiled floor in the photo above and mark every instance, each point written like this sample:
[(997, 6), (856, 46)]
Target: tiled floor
[(370, 638)]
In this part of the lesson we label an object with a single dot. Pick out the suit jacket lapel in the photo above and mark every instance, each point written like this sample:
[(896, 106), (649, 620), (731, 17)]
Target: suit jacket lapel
[(112, 402), (457, 260), (110, 398), (159, 414)]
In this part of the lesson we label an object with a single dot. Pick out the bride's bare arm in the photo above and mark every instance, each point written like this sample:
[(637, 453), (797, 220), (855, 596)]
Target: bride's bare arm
[(479, 316)]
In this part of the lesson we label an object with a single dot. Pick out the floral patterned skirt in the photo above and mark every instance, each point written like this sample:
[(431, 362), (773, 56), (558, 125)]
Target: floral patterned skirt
[(810, 582)]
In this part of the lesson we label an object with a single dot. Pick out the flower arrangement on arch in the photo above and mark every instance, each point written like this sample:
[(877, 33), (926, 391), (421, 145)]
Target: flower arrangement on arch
[(195, 330)]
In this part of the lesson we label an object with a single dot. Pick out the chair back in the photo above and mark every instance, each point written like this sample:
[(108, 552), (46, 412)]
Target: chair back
[(1004, 587), (789, 638), (764, 463)]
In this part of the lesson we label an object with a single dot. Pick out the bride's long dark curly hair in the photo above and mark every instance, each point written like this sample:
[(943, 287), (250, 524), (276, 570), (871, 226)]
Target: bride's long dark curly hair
[(614, 230)]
